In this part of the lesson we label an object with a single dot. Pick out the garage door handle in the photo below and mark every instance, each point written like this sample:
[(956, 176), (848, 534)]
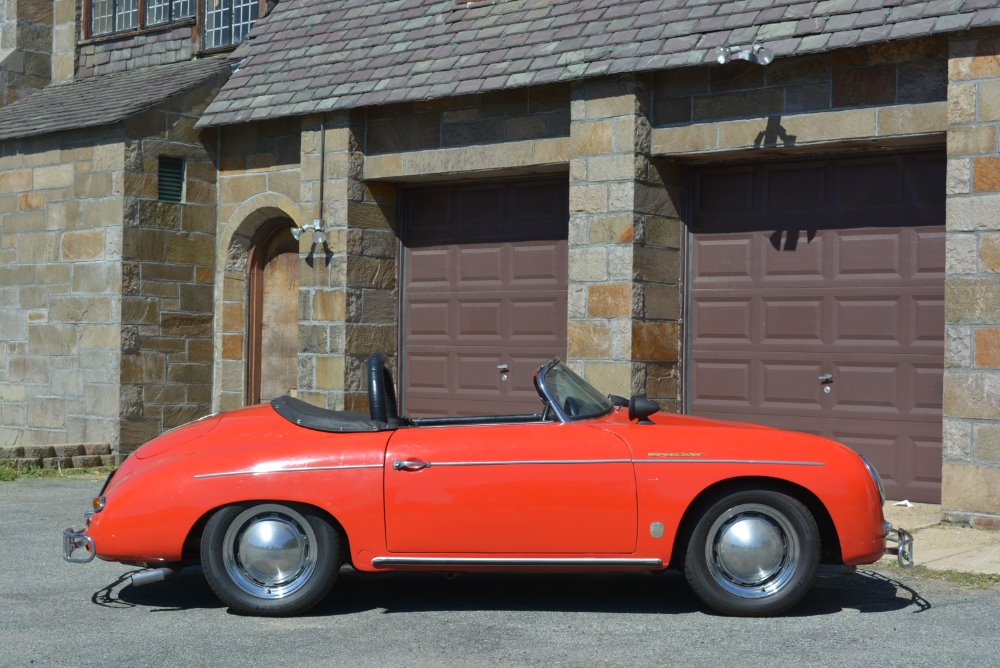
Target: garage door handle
[(409, 465), (826, 378)]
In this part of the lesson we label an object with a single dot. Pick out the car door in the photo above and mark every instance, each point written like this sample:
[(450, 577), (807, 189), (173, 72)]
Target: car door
[(518, 488)]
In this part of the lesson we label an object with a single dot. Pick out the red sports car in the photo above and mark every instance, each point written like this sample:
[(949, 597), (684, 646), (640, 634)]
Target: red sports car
[(272, 499)]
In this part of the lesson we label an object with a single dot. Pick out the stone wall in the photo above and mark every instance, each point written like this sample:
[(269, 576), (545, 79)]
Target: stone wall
[(61, 210), (25, 47), (507, 116), (168, 273), (907, 72), (971, 491)]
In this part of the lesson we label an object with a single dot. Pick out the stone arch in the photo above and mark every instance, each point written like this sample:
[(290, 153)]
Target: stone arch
[(235, 238)]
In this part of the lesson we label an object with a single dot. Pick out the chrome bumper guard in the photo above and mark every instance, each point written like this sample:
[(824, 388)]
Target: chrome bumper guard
[(73, 540), (904, 541)]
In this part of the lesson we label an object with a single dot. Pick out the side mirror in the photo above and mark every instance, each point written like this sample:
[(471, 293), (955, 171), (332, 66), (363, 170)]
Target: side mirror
[(640, 409), (617, 400)]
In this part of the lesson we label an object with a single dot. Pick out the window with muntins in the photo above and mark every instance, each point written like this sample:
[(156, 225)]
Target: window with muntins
[(167, 11), (228, 21), (109, 16)]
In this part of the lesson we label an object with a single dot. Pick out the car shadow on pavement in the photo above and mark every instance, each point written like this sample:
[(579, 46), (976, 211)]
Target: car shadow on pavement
[(837, 588)]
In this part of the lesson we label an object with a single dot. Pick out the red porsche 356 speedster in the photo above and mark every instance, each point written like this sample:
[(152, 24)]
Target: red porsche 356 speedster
[(272, 499)]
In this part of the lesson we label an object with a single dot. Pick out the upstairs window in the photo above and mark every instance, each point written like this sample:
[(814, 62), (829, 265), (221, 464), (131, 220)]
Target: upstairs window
[(168, 11), (109, 16), (227, 22)]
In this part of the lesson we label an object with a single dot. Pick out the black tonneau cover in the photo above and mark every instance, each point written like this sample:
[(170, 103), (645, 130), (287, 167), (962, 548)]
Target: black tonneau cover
[(312, 417)]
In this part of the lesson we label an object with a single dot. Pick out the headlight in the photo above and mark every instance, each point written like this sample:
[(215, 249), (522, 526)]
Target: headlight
[(875, 476)]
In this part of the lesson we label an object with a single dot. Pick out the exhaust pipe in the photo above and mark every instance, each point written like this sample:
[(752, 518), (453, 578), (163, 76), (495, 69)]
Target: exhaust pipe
[(149, 577)]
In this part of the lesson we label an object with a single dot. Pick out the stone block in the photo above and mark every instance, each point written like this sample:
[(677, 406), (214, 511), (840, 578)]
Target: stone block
[(588, 264), (330, 372), (913, 119), (655, 341), (610, 377), (51, 339), (83, 245), (609, 300), (140, 311), (29, 201), (28, 463), (186, 324), (110, 461), (970, 487), (958, 346), (611, 229), (750, 103), (975, 59), (989, 101), (96, 449), (39, 451), (197, 249), (57, 463), (588, 340), (972, 394), (978, 212), (961, 103), (47, 413), (590, 138), (987, 342), (174, 416), (95, 277), (958, 176), (987, 439), (90, 309), (588, 197), (660, 265), (973, 300), (986, 174), (366, 339), (55, 176), (611, 168), (86, 461), (989, 252), (69, 450), (15, 181), (11, 452)]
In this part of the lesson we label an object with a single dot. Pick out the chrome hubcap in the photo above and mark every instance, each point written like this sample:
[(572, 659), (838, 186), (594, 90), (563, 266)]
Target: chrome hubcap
[(270, 551), (752, 551)]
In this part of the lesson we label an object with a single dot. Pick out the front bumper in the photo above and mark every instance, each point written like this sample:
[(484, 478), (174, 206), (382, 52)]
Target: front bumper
[(74, 540), (904, 545)]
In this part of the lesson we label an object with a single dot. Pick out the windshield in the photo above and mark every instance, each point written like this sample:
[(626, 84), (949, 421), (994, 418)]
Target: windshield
[(570, 396)]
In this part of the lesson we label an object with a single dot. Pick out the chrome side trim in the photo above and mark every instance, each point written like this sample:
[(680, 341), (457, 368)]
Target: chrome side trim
[(535, 461), (725, 461), (289, 470), (520, 562)]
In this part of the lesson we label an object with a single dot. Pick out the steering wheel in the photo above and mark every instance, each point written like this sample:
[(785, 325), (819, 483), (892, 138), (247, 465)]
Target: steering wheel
[(381, 394), (571, 406)]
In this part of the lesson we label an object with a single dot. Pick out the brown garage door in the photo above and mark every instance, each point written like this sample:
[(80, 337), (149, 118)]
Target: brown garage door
[(831, 269), (485, 270)]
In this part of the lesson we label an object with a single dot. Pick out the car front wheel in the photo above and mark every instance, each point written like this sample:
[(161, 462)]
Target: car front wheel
[(269, 558), (753, 554)]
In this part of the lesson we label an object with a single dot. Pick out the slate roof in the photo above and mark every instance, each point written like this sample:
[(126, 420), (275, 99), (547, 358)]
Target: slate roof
[(321, 55), (105, 99)]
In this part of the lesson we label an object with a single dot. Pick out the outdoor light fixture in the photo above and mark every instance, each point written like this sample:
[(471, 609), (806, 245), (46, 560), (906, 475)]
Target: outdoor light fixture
[(316, 227), (757, 53)]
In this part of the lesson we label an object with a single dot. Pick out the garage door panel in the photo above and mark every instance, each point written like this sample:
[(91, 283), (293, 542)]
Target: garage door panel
[(874, 255), (480, 267), (429, 321), (479, 321), (537, 265), (429, 268), (723, 258), (723, 321), (790, 385), (796, 189), (537, 321), (829, 266), (790, 319)]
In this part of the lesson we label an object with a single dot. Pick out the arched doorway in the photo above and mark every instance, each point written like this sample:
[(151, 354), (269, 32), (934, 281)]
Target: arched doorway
[(273, 321)]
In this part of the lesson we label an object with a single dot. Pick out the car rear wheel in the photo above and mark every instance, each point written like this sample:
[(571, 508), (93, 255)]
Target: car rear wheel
[(753, 554), (269, 558)]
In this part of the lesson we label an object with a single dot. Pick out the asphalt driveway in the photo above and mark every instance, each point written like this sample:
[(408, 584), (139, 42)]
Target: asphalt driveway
[(56, 613)]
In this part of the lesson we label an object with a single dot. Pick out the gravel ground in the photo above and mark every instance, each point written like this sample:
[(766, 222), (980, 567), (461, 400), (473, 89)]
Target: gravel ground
[(61, 614)]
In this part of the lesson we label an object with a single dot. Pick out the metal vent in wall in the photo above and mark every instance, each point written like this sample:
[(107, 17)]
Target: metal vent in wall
[(171, 181)]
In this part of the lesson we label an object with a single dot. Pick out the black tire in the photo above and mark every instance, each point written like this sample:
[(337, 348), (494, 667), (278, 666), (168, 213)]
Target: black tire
[(261, 580), (753, 554)]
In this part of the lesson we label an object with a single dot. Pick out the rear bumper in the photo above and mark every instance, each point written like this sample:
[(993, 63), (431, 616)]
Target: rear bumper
[(74, 540), (904, 545)]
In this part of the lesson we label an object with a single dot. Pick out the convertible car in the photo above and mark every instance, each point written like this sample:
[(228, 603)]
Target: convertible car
[(271, 500)]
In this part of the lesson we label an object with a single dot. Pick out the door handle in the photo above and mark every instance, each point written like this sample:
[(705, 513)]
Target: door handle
[(409, 465), (826, 378)]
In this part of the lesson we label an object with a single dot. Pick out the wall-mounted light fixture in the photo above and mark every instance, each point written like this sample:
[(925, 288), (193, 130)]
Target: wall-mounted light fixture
[(757, 53), (316, 227)]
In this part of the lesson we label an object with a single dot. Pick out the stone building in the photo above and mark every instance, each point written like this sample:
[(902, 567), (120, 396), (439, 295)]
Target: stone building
[(811, 242)]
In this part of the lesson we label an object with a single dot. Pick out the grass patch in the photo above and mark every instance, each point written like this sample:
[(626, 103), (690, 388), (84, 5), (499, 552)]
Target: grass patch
[(962, 579), (10, 471)]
